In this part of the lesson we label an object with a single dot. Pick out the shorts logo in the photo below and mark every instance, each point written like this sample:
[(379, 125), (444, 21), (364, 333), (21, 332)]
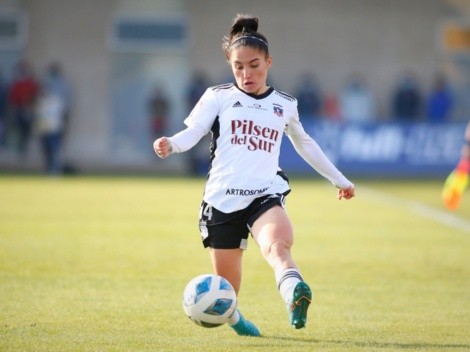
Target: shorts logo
[(270, 197)]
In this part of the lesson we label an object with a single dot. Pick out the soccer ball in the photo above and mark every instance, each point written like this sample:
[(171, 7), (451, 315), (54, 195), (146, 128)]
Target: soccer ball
[(209, 300)]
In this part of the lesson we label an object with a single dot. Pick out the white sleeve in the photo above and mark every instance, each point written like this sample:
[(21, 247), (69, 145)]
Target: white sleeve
[(311, 152), (205, 111), (199, 123), (186, 139)]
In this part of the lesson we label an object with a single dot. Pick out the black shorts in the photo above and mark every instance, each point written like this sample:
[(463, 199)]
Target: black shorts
[(227, 231)]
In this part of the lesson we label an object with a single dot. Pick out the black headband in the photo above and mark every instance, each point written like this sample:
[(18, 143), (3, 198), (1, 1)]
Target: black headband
[(248, 37)]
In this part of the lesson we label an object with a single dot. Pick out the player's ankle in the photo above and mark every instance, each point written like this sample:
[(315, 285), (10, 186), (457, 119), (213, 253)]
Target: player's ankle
[(234, 318)]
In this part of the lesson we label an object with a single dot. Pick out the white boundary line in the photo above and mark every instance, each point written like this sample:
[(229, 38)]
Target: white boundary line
[(425, 211)]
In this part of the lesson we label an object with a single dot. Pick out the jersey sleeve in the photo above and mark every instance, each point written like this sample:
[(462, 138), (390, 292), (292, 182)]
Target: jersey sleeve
[(186, 139), (204, 112), (311, 152), (199, 123)]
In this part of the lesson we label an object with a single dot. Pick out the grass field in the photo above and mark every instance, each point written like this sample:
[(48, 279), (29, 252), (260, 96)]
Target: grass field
[(99, 264)]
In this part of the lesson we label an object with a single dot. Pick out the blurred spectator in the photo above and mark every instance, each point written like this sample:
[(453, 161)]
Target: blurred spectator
[(198, 85), (440, 101), (158, 107), (55, 83), (50, 122), (199, 155), (22, 97), (308, 97), (407, 99), (331, 108), (3, 109), (356, 101)]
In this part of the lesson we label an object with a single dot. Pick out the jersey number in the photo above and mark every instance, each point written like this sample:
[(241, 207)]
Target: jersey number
[(206, 210)]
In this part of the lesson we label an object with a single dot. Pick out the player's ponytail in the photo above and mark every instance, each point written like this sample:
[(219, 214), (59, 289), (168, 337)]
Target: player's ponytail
[(244, 24), (244, 32)]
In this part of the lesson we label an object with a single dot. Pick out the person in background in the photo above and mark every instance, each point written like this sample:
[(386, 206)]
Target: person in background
[(198, 85), (22, 98), (50, 123), (357, 101), (56, 83), (246, 189), (407, 99), (309, 97), (198, 156), (331, 108), (159, 110), (3, 110), (440, 101)]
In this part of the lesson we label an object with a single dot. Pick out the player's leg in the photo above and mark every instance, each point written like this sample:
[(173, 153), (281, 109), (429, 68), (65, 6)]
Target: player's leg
[(228, 264), (226, 237), (273, 233)]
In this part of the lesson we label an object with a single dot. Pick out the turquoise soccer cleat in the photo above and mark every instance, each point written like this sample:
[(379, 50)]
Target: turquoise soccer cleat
[(298, 307), (245, 327)]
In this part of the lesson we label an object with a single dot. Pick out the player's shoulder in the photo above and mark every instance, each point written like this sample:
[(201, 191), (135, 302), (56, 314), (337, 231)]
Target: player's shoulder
[(222, 87), (284, 95)]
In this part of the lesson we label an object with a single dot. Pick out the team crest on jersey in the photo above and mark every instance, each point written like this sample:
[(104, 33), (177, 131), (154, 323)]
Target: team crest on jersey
[(278, 110)]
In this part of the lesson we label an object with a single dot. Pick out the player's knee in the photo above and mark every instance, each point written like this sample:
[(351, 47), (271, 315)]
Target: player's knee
[(277, 249)]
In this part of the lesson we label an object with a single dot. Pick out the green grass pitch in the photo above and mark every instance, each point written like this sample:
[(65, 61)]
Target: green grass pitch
[(100, 264)]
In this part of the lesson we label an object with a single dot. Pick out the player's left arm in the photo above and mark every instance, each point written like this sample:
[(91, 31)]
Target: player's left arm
[(311, 152)]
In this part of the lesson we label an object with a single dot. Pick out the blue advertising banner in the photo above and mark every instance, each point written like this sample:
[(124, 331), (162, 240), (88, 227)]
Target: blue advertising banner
[(382, 149)]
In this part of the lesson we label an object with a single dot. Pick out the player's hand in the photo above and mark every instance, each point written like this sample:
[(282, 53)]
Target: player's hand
[(162, 147), (346, 193)]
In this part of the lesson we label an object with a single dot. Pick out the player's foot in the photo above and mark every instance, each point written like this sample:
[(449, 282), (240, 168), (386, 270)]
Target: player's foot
[(298, 307), (245, 327)]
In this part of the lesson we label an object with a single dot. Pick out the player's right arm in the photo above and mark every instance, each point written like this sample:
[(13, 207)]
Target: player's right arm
[(180, 142), (199, 123)]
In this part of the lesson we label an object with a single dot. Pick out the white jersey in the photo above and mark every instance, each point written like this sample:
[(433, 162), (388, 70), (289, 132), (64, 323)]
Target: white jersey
[(247, 131)]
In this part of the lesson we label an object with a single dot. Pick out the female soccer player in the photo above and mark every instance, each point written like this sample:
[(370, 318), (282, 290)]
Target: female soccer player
[(245, 188)]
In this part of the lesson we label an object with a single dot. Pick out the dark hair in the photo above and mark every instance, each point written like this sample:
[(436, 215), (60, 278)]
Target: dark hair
[(244, 32)]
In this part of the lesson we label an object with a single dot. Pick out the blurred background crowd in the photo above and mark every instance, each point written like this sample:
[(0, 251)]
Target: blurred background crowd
[(87, 86)]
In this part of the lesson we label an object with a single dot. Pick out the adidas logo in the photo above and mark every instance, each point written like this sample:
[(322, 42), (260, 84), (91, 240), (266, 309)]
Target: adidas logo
[(237, 105)]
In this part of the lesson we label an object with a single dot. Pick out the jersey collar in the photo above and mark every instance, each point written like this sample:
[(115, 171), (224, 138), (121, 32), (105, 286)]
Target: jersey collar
[(254, 96)]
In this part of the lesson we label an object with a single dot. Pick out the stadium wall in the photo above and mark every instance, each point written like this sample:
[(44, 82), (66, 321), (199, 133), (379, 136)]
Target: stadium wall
[(382, 150), (333, 39)]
